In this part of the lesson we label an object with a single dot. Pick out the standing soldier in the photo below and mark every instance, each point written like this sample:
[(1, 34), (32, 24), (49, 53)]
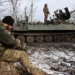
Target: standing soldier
[(46, 12)]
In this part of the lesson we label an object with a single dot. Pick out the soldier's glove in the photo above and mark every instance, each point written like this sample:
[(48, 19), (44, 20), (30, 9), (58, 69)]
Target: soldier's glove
[(23, 47)]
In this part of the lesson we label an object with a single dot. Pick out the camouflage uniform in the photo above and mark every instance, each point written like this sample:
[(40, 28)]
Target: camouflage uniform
[(15, 56), (8, 53), (46, 12)]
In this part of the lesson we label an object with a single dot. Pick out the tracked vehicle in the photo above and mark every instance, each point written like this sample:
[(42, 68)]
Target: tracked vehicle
[(57, 30)]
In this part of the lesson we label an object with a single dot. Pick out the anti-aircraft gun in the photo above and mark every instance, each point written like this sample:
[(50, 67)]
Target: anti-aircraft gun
[(52, 32), (63, 16)]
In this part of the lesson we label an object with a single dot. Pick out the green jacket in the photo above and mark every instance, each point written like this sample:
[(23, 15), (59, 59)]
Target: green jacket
[(6, 39)]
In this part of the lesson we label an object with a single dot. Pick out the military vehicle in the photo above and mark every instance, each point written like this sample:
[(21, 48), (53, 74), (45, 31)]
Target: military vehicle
[(56, 30)]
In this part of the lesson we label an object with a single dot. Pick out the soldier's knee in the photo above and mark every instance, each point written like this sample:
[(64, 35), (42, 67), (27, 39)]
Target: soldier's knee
[(23, 53)]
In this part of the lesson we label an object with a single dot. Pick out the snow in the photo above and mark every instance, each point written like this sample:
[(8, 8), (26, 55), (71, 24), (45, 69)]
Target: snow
[(46, 57), (54, 59)]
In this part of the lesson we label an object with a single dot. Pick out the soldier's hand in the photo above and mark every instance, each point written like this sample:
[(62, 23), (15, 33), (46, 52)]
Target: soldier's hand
[(18, 40), (18, 44)]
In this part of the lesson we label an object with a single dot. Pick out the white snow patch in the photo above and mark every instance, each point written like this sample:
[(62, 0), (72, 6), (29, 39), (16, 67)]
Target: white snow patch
[(42, 59)]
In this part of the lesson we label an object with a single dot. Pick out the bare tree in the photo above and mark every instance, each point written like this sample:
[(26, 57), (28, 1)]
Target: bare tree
[(2, 7), (10, 7), (14, 8), (32, 11), (29, 11), (73, 16)]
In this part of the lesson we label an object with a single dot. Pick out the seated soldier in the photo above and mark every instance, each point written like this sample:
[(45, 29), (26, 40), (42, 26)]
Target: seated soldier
[(7, 51), (59, 15)]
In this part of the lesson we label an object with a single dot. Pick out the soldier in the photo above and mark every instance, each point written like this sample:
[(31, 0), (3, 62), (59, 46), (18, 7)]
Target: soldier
[(46, 12), (59, 15), (57, 19), (8, 43)]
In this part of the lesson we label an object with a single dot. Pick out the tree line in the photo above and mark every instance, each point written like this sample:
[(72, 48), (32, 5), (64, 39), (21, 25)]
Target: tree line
[(18, 9)]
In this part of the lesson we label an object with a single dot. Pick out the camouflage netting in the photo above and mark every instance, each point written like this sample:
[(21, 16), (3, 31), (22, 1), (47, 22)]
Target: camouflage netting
[(7, 68)]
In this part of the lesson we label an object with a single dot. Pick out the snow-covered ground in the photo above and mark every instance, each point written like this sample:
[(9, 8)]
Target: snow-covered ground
[(54, 58)]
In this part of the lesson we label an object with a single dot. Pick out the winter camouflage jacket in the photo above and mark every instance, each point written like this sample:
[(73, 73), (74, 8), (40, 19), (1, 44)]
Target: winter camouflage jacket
[(6, 39)]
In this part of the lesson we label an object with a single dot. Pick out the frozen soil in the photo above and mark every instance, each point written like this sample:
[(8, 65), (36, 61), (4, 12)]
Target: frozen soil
[(53, 58)]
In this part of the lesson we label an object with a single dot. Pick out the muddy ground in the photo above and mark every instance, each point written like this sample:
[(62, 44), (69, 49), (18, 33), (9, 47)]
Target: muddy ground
[(51, 58)]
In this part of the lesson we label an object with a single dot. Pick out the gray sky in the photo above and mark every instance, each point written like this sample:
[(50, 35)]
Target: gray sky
[(52, 5)]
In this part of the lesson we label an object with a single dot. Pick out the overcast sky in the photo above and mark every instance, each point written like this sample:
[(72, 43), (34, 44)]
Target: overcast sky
[(52, 5)]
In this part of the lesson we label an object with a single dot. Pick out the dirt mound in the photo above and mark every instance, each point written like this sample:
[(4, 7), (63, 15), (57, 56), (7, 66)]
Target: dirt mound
[(7, 68)]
